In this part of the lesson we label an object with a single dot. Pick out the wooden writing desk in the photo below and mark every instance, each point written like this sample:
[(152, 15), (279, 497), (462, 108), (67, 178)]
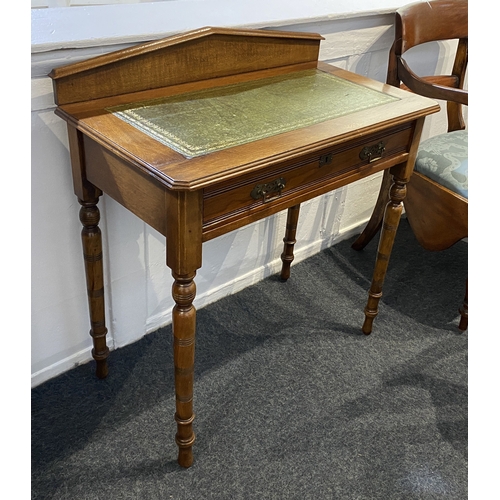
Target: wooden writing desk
[(202, 133)]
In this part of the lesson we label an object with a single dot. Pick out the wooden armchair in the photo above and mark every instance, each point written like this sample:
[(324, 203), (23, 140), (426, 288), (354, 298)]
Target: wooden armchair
[(436, 202)]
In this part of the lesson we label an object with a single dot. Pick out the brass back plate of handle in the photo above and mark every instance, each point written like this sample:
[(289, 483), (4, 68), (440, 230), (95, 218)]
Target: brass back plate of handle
[(268, 192), (372, 153)]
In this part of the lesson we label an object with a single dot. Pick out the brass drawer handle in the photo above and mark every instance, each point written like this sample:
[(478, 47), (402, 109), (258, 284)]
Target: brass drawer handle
[(372, 153), (269, 191)]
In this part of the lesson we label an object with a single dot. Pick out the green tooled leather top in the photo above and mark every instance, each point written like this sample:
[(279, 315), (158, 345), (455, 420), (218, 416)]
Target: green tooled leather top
[(201, 122)]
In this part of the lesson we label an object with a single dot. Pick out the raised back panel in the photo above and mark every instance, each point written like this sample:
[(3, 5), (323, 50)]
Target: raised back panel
[(197, 55)]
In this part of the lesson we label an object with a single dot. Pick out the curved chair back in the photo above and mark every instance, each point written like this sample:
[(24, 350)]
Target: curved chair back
[(424, 22)]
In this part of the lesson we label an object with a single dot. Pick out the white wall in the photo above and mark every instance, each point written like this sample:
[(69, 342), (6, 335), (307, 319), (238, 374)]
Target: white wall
[(137, 281)]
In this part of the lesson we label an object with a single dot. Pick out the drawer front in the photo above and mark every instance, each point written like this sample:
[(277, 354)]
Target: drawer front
[(289, 180)]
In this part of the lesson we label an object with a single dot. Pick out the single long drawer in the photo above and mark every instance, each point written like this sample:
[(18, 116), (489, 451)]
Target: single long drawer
[(290, 179)]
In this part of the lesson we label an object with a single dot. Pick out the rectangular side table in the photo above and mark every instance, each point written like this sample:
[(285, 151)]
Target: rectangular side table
[(208, 131)]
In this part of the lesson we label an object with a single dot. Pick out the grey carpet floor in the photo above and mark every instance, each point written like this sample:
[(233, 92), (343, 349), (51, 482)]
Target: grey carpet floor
[(292, 401)]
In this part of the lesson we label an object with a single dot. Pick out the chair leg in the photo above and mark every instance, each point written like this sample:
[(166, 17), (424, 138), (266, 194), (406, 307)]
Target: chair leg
[(464, 310), (375, 222)]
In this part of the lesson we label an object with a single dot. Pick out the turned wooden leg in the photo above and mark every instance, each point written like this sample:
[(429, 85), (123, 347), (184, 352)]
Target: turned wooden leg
[(389, 227), (289, 240), (184, 327), (464, 310), (184, 252), (375, 222), (92, 254)]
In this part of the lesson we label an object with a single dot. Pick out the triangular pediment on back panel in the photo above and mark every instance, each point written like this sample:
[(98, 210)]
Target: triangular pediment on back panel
[(197, 55)]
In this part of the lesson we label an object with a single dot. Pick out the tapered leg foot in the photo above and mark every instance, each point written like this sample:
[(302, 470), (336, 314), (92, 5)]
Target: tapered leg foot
[(185, 445), (371, 311), (101, 369), (289, 240)]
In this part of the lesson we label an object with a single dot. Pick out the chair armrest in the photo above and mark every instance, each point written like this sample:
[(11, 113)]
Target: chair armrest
[(425, 88)]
